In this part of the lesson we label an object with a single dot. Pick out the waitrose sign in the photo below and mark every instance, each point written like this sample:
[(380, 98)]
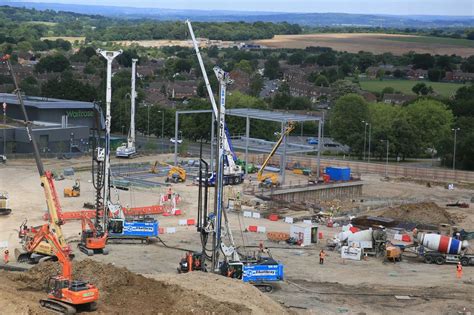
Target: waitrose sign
[(79, 113)]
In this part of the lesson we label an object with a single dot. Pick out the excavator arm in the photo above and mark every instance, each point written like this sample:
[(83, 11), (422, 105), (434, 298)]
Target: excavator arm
[(62, 253), (260, 176)]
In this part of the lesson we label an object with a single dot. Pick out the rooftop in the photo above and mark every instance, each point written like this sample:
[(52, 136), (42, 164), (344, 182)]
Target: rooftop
[(283, 117), (46, 103)]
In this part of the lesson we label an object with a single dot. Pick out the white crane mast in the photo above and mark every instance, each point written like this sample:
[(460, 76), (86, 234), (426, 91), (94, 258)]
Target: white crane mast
[(109, 56)]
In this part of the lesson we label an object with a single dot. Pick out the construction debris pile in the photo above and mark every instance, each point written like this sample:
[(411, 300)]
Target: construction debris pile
[(423, 212), (124, 292)]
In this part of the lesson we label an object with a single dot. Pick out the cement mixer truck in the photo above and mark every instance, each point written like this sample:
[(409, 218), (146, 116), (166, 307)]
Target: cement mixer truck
[(440, 249)]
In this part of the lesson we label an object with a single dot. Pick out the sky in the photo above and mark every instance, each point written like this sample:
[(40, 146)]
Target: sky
[(395, 7)]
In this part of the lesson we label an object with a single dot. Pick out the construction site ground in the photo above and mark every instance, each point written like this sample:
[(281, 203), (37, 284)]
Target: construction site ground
[(352, 287)]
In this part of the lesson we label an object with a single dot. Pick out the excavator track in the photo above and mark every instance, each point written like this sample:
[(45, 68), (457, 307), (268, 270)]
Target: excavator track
[(58, 307)]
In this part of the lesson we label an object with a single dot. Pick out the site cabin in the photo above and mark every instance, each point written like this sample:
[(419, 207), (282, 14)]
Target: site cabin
[(305, 234), (440, 258)]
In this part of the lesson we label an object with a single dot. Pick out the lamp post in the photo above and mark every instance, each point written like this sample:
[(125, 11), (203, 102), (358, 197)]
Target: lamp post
[(370, 138), (162, 128), (365, 136), (4, 128), (148, 120), (386, 159), (454, 150)]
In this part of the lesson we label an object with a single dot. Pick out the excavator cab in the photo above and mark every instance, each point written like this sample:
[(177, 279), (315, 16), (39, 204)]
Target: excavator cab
[(67, 296)]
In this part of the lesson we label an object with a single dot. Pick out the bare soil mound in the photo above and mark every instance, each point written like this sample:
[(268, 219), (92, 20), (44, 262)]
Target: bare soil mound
[(124, 292), (423, 212)]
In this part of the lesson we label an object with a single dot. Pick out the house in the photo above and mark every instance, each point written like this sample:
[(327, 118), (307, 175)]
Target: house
[(417, 74), (241, 81), (368, 96), (308, 90), (461, 76), (181, 89), (397, 99)]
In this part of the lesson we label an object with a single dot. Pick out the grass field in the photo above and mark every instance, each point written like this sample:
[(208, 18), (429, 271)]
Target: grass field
[(435, 40), (374, 42), (405, 86)]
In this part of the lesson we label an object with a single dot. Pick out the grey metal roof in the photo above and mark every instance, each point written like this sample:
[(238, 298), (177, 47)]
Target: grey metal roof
[(270, 115), (46, 103), (260, 145)]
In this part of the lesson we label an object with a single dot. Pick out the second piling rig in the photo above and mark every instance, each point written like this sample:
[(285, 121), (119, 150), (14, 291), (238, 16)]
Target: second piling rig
[(45, 247)]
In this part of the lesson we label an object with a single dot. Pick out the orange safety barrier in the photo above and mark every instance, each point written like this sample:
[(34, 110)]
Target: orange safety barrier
[(137, 211), (252, 228), (278, 236)]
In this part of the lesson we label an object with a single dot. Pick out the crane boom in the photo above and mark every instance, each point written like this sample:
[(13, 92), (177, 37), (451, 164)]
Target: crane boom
[(231, 168), (46, 177)]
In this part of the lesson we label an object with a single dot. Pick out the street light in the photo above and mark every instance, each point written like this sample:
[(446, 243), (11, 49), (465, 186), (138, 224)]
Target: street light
[(370, 139), (162, 128), (386, 161), (365, 136), (454, 150)]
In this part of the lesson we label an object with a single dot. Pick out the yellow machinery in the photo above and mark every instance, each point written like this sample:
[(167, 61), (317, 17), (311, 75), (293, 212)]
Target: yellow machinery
[(176, 174), (271, 179), (27, 234), (74, 191)]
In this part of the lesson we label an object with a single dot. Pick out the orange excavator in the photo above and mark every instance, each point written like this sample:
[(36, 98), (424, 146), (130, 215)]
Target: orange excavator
[(65, 295), (92, 239)]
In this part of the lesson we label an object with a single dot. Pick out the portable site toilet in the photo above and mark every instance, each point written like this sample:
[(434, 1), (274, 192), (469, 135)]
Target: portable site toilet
[(307, 233)]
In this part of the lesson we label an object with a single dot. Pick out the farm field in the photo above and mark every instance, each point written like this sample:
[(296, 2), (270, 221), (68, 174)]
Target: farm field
[(405, 86), (375, 43)]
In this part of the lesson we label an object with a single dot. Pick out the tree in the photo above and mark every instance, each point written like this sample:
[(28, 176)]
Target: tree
[(345, 120), (423, 61), (213, 52), (125, 58), (463, 102), (436, 74), (321, 80), (343, 87), (399, 73), (256, 84), (272, 68), (296, 58), (468, 65), (387, 90), (66, 87), (432, 121), (52, 63), (422, 89), (327, 59), (244, 65)]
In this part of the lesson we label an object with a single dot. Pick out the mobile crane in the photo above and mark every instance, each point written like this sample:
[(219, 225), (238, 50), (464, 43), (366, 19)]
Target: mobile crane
[(271, 180), (65, 295), (128, 150), (232, 173), (44, 248)]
